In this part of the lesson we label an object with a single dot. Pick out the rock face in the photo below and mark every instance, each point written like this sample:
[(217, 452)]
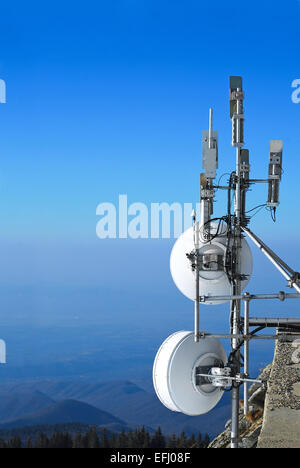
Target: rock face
[(274, 419), (251, 424)]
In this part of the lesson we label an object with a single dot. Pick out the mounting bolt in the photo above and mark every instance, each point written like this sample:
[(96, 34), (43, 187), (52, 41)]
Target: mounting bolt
[(281, 295)]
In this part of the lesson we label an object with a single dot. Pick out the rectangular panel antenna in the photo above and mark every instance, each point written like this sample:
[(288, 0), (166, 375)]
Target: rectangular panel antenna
[(275, 171), (210, 150)]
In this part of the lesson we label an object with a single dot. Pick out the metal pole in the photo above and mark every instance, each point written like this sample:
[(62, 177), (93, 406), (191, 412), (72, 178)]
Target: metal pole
[(274, 322), (197, 279), (272, 259), (271, 252), (210, 136), (236, 305), (235, 417), (246, 353), (241, 336), (255, 181), (196, 310), (281, 296)]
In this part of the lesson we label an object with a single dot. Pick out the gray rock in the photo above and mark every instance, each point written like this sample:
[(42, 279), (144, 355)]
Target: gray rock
[(251, 440), (258, 397)]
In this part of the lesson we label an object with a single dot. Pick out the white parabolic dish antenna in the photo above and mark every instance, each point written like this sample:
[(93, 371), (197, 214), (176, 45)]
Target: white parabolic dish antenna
[(212, 283), (174, 373)]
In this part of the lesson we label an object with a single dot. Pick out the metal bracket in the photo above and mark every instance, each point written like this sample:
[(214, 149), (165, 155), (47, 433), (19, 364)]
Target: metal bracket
[(222, 377), (294, 279), (237, 95)]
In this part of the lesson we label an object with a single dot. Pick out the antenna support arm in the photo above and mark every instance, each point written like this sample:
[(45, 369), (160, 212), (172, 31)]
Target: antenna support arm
[(292, 276)]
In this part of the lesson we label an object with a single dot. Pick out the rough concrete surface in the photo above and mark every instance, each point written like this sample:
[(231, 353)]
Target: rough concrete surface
[(281, 422), (281, 429)]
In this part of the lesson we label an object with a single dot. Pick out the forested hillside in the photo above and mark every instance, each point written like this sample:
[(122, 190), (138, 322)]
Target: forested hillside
[(95, 438)]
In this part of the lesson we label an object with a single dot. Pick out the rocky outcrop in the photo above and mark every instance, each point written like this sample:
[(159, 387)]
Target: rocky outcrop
[(250, 424), (274, 417)]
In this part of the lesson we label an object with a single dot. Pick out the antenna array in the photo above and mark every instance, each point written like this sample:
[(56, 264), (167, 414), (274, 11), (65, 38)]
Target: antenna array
[(211, 263)]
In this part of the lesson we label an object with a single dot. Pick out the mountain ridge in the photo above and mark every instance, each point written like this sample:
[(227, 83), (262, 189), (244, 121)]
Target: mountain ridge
[(128, 402), (65, 411)]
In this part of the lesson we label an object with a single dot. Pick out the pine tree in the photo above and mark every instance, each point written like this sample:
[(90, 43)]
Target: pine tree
[(158, 440), (141, 438), (29, 443), (146, 443), (78, 441), (113, 441), (206, 441), (104, 442), (172, 441), (122, 440), (93, 440), (15, 442), (3, 444), (199, 441), (67, 441), (182, 441), (191, 442), (130, 439), (42, 441)]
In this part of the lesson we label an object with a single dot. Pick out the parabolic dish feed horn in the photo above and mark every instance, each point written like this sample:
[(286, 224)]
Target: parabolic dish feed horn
[(211, 264)]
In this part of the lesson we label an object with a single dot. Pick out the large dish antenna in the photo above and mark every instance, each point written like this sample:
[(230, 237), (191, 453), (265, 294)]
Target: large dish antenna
[(174, 373), (213, 279)]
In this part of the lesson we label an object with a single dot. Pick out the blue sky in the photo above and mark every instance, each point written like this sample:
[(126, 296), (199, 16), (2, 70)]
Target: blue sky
[(110, 97)]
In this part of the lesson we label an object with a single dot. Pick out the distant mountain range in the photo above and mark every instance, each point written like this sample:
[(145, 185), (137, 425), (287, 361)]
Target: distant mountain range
[(67, 411), (115, 404), (16, 404)]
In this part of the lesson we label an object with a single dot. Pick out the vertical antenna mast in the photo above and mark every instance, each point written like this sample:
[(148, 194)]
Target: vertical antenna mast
[(237, 117)]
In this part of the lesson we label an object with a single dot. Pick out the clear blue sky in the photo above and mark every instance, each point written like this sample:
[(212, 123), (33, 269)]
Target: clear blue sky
[(109, 97)]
